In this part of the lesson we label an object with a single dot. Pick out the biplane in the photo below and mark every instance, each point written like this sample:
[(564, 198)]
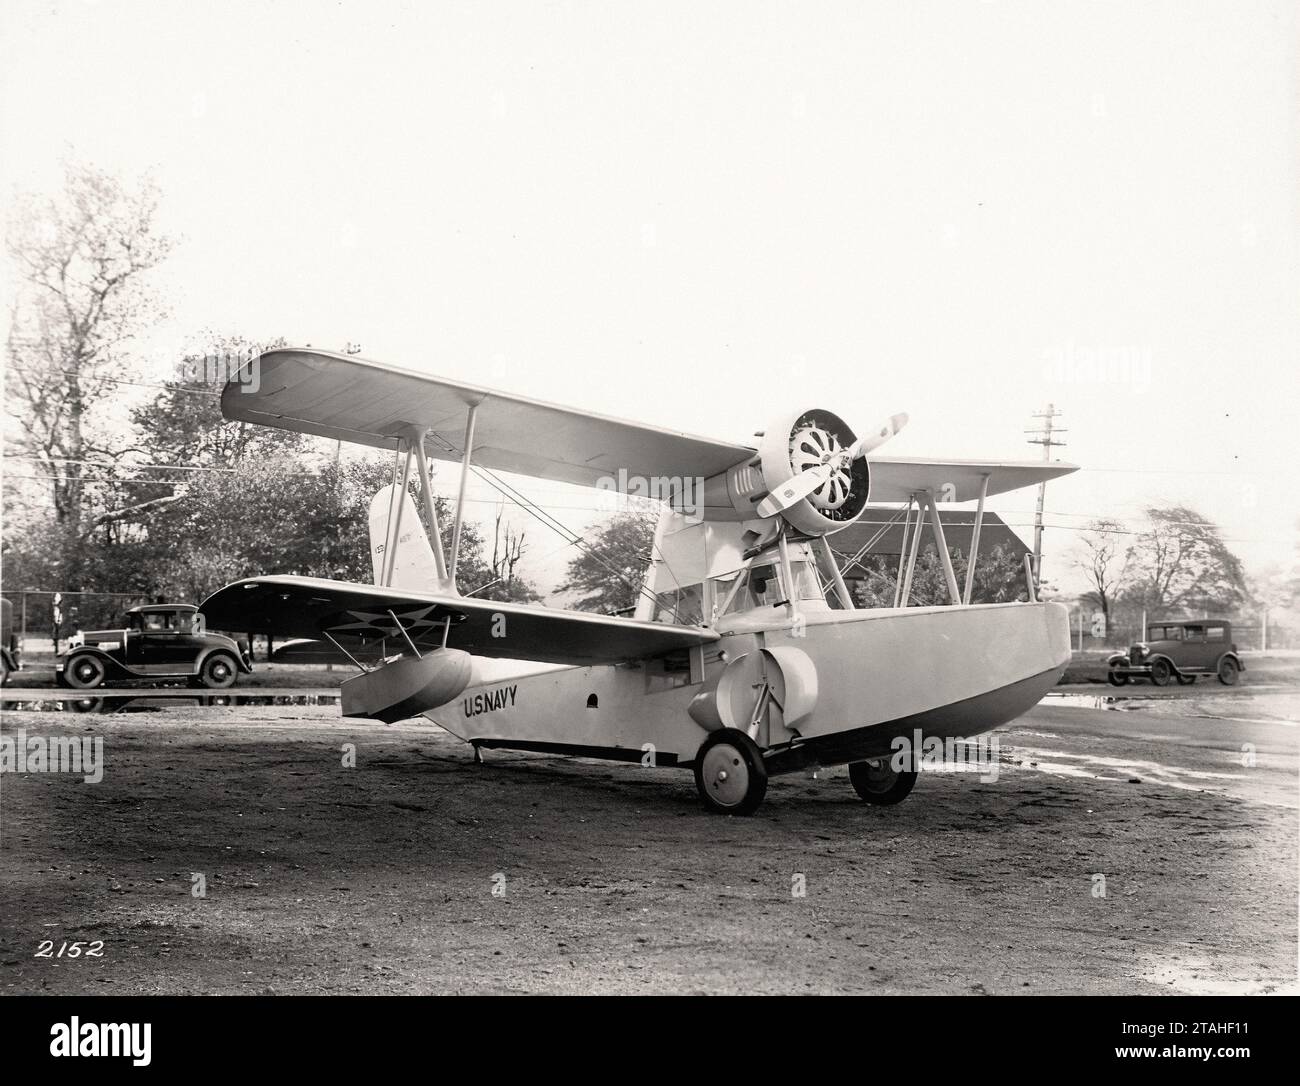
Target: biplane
[(745, 657)]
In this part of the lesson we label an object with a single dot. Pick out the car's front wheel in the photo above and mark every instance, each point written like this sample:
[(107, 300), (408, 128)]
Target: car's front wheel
[(1161, 672), (218, 672), (85, 672), (1228, 672), (1115, 677)]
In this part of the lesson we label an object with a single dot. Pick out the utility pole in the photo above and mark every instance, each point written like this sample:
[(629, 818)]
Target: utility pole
[(1044, 437)]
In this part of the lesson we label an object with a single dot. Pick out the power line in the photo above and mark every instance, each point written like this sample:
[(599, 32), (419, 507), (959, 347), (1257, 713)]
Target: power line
[(95, 378)]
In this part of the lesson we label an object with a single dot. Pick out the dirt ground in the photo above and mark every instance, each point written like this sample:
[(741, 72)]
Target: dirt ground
[(612, 878)]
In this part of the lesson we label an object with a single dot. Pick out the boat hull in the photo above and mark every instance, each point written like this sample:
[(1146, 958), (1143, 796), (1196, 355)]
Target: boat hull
[(952, 672)]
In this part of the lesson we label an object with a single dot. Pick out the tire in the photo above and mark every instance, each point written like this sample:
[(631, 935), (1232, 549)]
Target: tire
[(1115, 678), (729, 772), (875, 782), (219, 671), (1186, 680), (1228, 672), (1161, 672), (84, 672)]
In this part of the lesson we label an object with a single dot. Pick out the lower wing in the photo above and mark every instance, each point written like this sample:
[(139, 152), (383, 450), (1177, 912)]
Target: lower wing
[(359, 614)]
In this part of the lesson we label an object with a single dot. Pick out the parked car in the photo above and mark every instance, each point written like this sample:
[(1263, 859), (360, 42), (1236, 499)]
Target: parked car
[(159, 641), (10, 651), (1182, 651)]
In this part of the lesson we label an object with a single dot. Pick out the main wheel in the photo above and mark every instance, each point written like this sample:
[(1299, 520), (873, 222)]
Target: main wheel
[(1228, 672), (218, 671), (877, 782), (1161, 672), (84, 672), (1115, 678), (729, 772)]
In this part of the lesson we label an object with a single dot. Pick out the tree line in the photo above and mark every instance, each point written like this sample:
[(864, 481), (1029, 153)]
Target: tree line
[(1175, 562), (162, 497)]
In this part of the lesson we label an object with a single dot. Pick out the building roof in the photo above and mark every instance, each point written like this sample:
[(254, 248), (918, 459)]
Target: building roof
[(957, 525)]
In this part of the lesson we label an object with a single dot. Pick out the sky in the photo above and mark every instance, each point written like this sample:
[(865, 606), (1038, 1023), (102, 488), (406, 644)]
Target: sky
[(697, 214)]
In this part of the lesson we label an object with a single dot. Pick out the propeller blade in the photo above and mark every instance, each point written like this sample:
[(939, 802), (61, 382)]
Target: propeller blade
[(798, 488), (803, 484), (870, 442)]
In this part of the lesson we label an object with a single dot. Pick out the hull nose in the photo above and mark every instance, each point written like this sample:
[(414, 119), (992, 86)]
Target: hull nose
[(951, 671)]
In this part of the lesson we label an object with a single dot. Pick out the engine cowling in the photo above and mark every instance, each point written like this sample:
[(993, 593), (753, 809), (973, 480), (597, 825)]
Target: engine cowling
[(794, 443)]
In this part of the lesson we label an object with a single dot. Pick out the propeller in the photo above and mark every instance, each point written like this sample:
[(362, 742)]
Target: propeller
[(832, 469)]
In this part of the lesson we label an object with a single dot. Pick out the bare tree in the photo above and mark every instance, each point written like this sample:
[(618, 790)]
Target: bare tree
[(81, 261), (499, 579), (1103, 562)]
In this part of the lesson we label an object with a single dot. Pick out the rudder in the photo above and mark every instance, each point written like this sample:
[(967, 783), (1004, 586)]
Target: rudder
[(415, 569)]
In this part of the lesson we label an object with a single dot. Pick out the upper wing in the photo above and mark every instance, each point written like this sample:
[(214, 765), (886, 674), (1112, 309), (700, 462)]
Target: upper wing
[(310, 607), (898, 478), (351, 399)]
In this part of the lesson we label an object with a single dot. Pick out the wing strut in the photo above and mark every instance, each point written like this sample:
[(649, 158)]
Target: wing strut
[(975, 541), (903, 552), (941, 544), (416, 440), (460, 497), (393, 530)]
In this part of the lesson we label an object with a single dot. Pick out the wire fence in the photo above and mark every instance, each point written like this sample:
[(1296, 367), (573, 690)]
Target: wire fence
[(1251, 631), (53, 615), (50, 614), (42, 616)]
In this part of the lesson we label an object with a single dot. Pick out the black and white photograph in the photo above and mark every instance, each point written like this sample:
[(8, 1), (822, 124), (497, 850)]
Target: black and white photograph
[(718, 499)]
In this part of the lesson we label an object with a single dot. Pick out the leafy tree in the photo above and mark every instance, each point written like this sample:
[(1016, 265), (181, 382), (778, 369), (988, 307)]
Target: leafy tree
[(610, 569), (1181, 562), (999, 578), (183, 424)]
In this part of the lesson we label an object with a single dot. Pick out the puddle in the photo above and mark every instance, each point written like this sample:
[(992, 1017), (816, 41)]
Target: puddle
[(1092, 765), (1201, 978), (1242, 707), (153, 703), (1120, 702), (1059, 763)]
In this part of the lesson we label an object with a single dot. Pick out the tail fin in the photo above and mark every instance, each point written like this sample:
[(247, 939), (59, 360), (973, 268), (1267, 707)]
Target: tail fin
[(414, 567)]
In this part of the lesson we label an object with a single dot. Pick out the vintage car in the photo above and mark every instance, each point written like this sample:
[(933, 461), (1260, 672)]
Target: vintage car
[(1182, 651), (10, 654), (160, 641)]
